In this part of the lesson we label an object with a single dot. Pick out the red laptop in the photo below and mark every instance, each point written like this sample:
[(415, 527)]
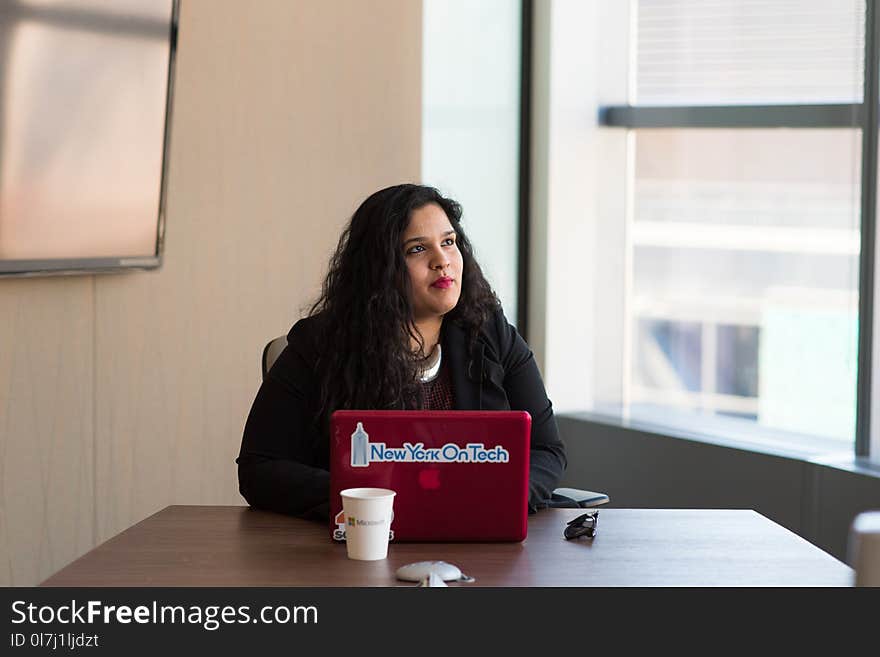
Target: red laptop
[(458, 475)]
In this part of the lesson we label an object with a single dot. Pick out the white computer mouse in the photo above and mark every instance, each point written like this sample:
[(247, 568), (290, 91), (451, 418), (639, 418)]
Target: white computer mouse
[(416, 572)]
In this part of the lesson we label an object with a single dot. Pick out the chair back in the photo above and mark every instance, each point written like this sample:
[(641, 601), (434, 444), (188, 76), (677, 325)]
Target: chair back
[(271, 352)]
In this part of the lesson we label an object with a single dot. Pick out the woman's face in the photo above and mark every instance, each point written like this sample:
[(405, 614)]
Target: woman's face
[(433, 261)]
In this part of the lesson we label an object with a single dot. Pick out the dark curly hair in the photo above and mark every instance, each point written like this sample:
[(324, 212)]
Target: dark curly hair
[(364, 310)]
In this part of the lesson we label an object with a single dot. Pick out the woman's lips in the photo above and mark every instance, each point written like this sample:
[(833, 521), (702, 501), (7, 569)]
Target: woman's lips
[(442, 283)]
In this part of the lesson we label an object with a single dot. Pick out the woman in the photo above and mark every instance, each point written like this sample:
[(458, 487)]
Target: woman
[(405, 320)]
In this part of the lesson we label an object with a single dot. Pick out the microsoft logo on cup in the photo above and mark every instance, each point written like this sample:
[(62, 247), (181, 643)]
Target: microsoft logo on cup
[(340, 521), (364, 523), (363, 452)]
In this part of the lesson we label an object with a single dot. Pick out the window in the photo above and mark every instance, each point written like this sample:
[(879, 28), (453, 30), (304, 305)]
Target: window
[(736, 140), (471, 126), (747, 232), (748, 52)]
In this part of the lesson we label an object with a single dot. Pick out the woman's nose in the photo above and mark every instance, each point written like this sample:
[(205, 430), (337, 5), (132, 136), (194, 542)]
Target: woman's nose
[(440, 261)]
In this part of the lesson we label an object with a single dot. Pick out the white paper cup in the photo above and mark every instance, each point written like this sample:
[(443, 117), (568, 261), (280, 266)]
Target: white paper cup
[(864, 548), (367, 522)]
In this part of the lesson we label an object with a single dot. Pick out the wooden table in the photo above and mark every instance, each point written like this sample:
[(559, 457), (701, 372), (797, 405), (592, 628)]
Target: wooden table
[(237, 546)]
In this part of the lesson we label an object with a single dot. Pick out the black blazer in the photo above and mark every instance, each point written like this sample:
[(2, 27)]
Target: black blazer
[(284, 459)]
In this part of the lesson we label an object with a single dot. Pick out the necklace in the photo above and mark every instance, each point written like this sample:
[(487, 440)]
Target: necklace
[(432, 366)]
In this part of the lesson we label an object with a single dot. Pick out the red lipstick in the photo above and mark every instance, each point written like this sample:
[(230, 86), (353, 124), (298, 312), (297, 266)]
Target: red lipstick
[(444, 282)]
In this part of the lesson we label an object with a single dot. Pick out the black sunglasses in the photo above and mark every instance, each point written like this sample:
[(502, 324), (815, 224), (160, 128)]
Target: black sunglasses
[(584, 525)]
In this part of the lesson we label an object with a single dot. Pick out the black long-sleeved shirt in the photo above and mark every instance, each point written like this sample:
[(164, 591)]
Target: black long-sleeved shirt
[(284, 459)]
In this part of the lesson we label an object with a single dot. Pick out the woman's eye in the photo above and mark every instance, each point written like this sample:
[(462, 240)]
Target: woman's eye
[(418, 248)]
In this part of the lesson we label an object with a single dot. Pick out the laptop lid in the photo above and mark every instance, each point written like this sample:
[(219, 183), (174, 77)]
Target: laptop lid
[(458, 475)]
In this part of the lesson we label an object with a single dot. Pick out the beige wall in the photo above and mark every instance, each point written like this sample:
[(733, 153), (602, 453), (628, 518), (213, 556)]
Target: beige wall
[(121, 394)]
